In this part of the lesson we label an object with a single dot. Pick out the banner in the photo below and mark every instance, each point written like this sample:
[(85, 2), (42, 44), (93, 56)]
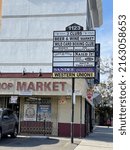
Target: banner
[(44, 113), (30, 112)]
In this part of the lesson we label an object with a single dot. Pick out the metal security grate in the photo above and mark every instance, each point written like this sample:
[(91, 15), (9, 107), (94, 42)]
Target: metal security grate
[(34, 127)]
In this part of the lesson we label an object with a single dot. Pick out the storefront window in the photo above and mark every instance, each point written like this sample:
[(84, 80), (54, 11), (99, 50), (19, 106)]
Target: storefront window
[(44, 112), (37, 109), (30, 112)]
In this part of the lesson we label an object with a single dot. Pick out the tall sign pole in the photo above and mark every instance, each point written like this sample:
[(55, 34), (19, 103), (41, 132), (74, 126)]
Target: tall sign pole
[(74, 57), (72, 117)]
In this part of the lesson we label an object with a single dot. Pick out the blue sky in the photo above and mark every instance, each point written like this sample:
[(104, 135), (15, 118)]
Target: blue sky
[(105, 32)]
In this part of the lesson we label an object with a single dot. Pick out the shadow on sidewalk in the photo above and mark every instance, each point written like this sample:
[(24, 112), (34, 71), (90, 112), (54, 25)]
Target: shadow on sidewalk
[(101, 133)]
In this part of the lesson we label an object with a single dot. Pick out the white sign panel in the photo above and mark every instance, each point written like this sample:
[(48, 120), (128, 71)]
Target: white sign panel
[(62, 59), (74, 33), (13, 99), (77, 43), (84, 53), (63, 64), (75, 38), (84, 64), (87, 59), (84, 48), (63, 54)]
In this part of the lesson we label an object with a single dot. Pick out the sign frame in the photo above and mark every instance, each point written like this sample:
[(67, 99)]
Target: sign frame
[(67, 44)]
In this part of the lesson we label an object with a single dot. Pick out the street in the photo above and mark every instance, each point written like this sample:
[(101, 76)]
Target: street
[(38, 143)]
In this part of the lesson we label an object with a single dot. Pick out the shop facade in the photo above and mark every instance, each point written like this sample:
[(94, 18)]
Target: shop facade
[(43, 105)]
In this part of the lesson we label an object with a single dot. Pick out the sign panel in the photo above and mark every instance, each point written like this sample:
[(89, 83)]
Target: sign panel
[(44, 112), (77, 43), (13, 100), (71, 69), (74, 33), (73, 27), (74, 48), (74, 75), (84, 64), (97, 73), (30, 112), (89, 94)]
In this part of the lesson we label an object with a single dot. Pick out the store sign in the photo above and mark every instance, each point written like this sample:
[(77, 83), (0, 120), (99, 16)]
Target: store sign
[(89, 94), (13, 100), (74, 48), (75, 75), (33, 86), (6, 86), (97, 73)]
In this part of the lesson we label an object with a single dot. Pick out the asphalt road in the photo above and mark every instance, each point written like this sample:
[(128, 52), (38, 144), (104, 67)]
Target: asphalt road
[(35, 143)]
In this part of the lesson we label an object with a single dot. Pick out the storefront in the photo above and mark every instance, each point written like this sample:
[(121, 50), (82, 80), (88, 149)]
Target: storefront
[(43, 105)]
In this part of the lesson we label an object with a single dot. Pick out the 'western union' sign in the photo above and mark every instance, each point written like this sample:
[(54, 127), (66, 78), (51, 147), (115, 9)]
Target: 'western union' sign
[(74, 75)]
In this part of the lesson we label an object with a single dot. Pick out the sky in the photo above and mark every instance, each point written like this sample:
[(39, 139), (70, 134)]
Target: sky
[(105, 32)]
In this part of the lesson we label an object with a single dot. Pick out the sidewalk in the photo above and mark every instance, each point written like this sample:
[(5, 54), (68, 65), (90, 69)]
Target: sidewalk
[(100, 139)]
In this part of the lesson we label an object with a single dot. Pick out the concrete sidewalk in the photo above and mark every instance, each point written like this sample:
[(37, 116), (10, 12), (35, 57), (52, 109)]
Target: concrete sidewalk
[(100, 139)]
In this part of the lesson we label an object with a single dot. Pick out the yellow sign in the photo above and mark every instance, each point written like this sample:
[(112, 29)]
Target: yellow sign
[(74, 75)]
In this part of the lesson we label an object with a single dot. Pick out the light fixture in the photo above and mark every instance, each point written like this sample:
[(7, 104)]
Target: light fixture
[(24, 71), (40, 73)]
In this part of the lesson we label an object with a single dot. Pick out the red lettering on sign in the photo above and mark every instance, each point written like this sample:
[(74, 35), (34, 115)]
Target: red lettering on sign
[(39, 86), (31, 87), (10, 85), (55, 86), (21, 86), (36, 86), (6, 86), (62, 85), (47, 86)]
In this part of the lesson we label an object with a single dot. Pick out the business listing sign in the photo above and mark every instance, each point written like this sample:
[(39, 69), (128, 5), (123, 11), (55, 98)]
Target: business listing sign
[(74, 53)]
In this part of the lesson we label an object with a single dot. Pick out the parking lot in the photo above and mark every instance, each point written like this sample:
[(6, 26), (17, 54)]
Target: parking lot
[(37, 143)]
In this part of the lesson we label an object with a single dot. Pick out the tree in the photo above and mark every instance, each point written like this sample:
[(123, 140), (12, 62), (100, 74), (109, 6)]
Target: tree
[(105, 107)]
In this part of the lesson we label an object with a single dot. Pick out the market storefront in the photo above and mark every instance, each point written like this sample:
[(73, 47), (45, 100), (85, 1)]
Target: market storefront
[(43, 106)]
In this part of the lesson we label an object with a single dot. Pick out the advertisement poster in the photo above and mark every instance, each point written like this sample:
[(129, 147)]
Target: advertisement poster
[(44, 113), (30, 112)]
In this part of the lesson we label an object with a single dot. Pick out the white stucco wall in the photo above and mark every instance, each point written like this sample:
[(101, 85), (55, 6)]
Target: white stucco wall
[(65, 111), (26, 35)]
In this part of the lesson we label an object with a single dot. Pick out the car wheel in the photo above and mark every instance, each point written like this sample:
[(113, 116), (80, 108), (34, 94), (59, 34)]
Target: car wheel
[(0, 134), (14, 134)]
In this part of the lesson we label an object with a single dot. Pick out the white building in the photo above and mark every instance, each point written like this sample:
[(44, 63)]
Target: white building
[(26, 40)]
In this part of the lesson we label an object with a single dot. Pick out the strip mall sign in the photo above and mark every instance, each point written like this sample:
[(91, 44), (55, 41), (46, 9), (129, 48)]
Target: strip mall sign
[(33, 86)]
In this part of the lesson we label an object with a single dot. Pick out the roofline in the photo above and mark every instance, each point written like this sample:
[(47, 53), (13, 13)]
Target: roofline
[(26, 75)]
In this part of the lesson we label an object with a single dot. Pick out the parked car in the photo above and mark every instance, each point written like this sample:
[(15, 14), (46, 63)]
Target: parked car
[(8, 123)]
